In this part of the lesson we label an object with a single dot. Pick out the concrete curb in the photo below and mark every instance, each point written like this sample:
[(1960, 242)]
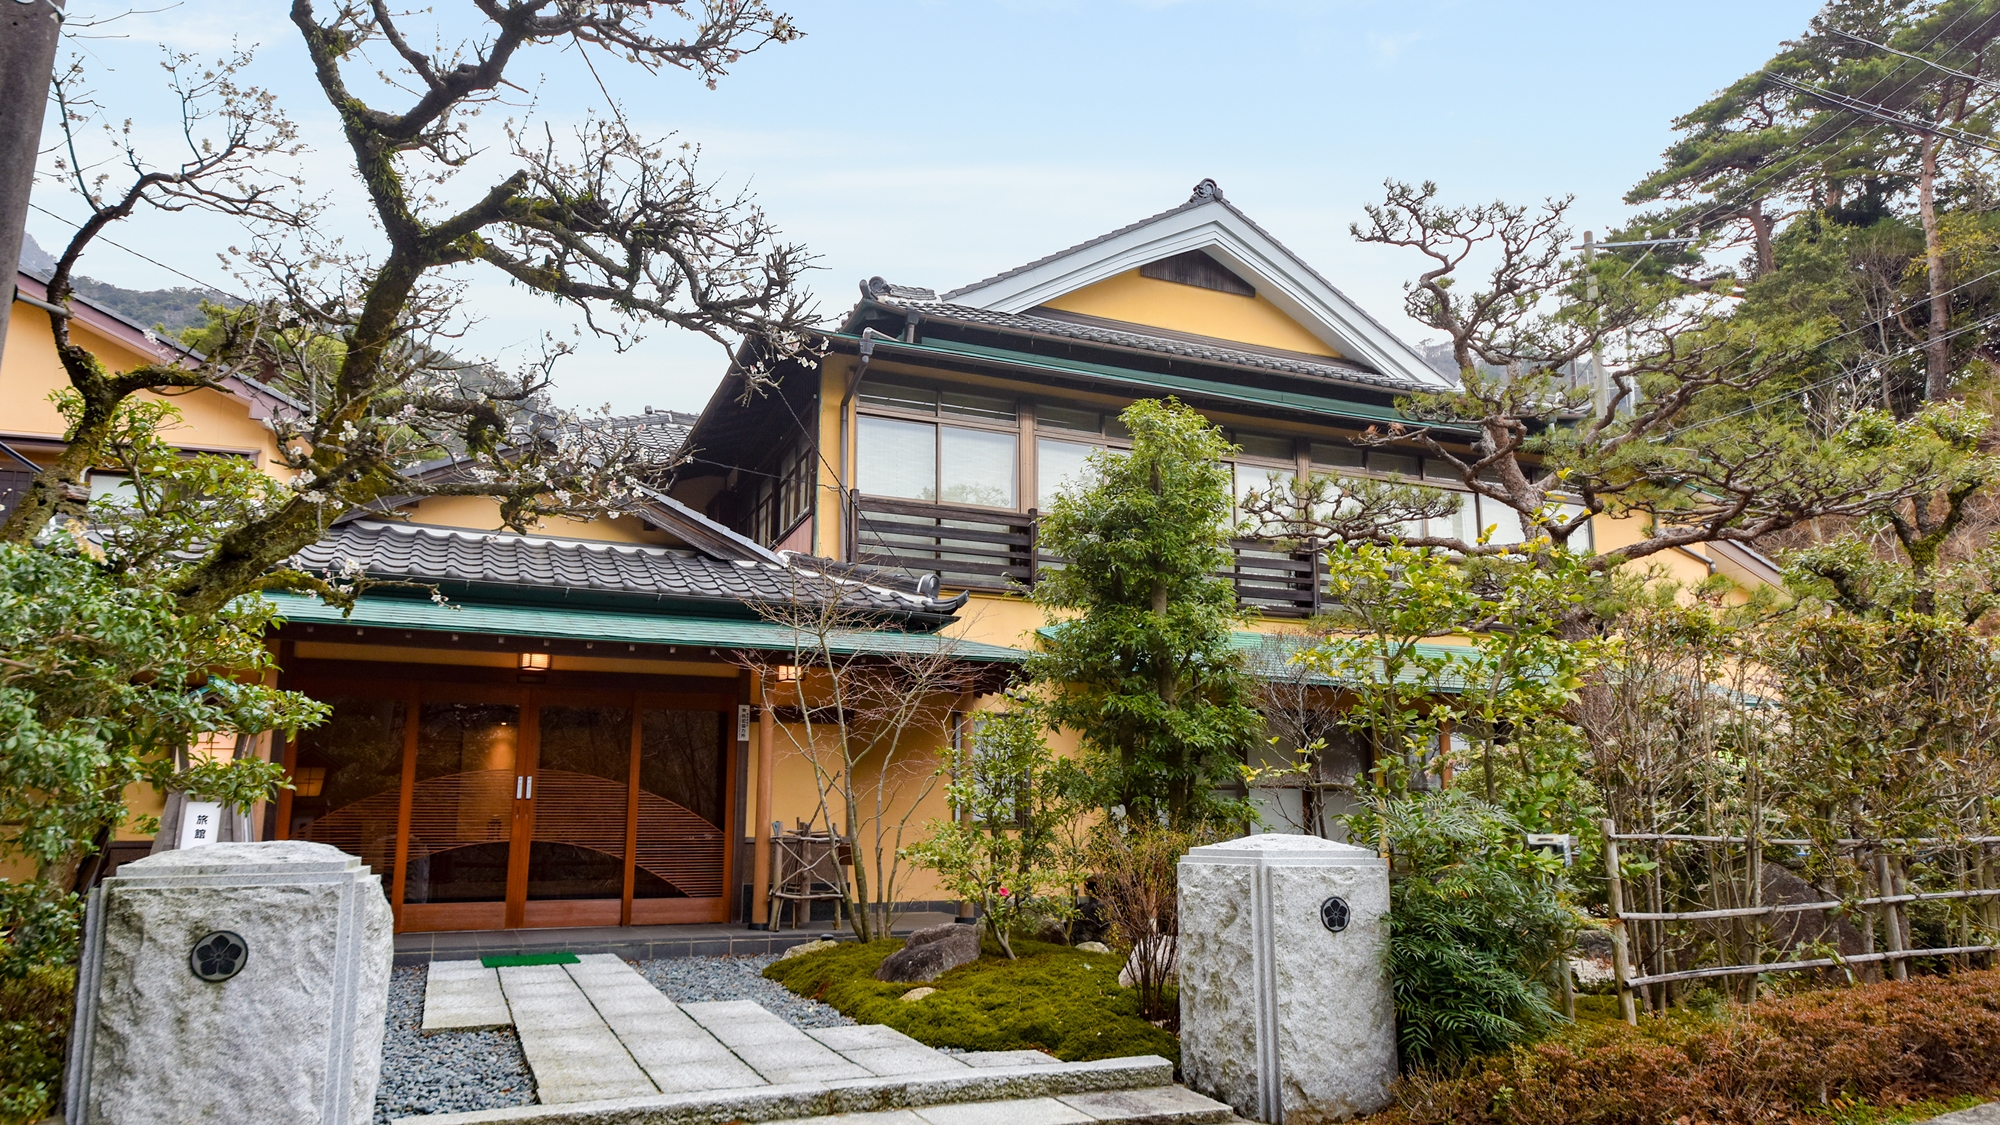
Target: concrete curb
[(861, 1095)]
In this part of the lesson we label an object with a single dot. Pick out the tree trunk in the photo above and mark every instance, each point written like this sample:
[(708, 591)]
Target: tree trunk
[(1937, 349), (1761, 226)]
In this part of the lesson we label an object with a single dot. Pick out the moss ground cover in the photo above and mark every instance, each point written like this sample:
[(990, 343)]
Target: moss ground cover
[(1053, 999)]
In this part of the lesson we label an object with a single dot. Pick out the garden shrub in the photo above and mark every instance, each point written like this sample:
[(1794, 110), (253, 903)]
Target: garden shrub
[(1052, 998), (35, 1008), (1477, 926), (1789, 1060)]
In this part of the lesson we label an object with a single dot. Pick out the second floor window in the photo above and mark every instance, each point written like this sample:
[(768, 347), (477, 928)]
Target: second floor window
[(969, 456)]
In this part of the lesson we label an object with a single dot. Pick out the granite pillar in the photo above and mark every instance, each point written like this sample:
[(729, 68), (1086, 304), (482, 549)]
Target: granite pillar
[(1286, 1010), (239, 982)]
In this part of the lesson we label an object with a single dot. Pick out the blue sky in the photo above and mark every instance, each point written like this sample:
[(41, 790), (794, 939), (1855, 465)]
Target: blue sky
[(935, 142)]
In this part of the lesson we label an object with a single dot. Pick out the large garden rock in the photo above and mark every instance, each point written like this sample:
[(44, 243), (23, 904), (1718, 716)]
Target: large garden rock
[(239, 982), (931, 953)]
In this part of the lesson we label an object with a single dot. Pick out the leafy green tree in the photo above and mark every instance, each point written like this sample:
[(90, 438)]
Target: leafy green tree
[(1139, 661), (1881, 113), (1521, 433), (106, 679), (1491, 709)]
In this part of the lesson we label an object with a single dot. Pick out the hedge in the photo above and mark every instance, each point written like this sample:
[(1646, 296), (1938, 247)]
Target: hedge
[(34, 1029), (1053, 999), (1777, 1062)]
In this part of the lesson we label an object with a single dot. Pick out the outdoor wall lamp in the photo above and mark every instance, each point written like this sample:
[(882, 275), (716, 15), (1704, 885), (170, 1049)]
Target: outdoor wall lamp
[(307, 781), (534, 662)]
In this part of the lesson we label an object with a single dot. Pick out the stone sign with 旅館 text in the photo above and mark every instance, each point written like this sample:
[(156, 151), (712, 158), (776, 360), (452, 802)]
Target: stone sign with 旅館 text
[(237, 982)]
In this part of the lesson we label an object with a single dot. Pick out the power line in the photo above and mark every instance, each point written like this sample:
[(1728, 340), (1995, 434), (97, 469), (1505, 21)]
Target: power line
[(1973, 78), (1869, 109), (1834, 378), (155, 261), (1773, 171)]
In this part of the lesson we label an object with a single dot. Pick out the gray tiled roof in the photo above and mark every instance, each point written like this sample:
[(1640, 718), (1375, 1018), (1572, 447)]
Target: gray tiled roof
[(1185, 348), (661, 433), (391, 550)]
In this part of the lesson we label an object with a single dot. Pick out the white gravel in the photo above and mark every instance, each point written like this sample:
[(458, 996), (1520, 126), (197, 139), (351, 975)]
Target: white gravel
[(456, 1071), (449, 1072), (687, 980)]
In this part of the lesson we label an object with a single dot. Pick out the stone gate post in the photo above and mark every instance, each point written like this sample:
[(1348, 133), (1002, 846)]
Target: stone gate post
[(245, 983), (1286, 1012)]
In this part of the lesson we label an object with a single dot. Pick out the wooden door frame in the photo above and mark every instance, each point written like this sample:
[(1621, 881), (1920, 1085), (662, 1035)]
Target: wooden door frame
[(421, 687)]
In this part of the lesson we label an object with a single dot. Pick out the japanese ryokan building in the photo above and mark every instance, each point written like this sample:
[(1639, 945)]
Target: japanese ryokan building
[(574, 740)]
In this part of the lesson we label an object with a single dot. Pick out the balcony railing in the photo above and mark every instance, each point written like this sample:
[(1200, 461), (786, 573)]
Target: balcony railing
[(978, 549)]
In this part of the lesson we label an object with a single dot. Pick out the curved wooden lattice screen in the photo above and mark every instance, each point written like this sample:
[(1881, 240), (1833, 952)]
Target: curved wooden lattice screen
[(674, 844), (461, 809)]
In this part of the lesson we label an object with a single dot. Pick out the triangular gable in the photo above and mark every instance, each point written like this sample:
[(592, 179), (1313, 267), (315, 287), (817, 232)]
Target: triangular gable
[(1210, 223)]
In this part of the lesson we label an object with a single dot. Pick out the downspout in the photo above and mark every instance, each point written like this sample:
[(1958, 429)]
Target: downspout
[(845, 476)]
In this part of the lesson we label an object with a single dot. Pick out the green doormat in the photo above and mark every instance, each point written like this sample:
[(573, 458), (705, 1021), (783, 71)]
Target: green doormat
[(511, 960)]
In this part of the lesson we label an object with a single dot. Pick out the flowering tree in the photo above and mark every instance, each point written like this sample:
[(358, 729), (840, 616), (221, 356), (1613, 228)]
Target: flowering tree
[(1007, 852), (358, 342)]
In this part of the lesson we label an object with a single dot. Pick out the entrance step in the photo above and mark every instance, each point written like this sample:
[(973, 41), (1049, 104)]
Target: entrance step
[(1014, 1095), (1153, 1105)]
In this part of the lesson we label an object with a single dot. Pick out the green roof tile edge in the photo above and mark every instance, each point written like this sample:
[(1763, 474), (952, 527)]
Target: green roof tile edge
[(627, 628), (1160, 381)]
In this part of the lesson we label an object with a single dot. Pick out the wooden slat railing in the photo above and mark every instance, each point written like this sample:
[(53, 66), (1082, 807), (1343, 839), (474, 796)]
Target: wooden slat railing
[(980, 549)]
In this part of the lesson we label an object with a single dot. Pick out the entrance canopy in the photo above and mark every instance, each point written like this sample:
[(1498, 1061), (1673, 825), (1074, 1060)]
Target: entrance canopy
[(628, 626)]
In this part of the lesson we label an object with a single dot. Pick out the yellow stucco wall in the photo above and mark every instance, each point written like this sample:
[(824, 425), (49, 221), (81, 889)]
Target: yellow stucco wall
[(1135, 299), (30, 371), (481, 513)]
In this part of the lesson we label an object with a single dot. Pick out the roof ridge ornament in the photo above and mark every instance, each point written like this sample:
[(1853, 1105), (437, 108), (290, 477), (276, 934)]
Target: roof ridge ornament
[(1206, 189)]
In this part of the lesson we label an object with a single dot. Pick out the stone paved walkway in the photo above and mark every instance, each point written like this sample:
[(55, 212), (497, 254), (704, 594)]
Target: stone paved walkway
[(604, 1044), (598, 1030)]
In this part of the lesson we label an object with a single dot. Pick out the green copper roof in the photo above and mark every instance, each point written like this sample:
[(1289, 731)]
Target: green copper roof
[(1160, 381), (631, 627), (1267, 656)]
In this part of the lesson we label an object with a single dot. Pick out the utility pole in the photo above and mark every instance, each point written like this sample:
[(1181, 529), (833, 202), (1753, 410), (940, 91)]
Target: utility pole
[(1600, 382), (29, 30)]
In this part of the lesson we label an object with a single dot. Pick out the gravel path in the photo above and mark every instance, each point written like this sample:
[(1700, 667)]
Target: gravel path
[(455, 1071), (687, 980), (450, 1072)]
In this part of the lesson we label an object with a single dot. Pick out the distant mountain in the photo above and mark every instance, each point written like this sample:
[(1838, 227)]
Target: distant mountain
[(171, 309)]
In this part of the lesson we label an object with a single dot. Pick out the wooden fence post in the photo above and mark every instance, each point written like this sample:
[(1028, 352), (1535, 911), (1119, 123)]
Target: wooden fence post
[(1621, 964), (1885, 878)]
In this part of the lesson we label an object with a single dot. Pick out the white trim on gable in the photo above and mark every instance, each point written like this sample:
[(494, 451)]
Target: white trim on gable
[(1234, 240)]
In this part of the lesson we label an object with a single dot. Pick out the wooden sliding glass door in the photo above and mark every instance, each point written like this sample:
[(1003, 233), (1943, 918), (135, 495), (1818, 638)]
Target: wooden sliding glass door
[(491, 806)]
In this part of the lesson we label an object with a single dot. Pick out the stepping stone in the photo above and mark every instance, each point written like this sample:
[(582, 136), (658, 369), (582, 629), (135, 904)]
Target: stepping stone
[(773, 1048), (463, 996), (571, 1051), (1006, 1058), (1153, 1105), (673, 1050), (884, 1051)]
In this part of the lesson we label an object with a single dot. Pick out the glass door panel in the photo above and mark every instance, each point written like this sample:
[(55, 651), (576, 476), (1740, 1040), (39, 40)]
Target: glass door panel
[(462, 804), (582, 778), (347, 780), (682, 779)]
